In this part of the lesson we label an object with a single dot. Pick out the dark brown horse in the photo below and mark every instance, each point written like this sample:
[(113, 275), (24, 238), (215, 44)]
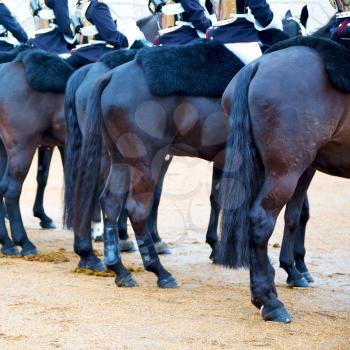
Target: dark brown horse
[(44, 158), (43, 125), (139, 130), (148, 25), (287, 119)]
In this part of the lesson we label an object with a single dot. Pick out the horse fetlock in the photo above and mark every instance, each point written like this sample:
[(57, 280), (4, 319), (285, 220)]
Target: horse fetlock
[(148, 251), (111, 245), (299, 262), (83, 247)]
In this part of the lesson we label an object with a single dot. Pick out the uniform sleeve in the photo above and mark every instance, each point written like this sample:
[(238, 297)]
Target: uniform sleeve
[(99, 15), (196, 15), (261, 11), (61, 11), (11, 24)]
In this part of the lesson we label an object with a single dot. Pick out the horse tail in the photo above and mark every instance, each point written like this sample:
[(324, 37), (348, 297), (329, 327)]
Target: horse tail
[(73, 142), (241, 178), (87, 180)]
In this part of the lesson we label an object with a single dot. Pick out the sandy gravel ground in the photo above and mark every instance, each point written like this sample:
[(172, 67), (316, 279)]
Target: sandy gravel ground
[(44, 305)]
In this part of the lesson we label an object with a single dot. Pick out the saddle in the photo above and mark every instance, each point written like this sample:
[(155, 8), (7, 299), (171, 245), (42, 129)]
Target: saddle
[(202, 69), (8, 56), (44, 71), (335, 56)]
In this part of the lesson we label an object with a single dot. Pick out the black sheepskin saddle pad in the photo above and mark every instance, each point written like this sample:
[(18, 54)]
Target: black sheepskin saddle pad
[(9, 56), (118, 57), (44, 71), (201, 69), (336, 58)]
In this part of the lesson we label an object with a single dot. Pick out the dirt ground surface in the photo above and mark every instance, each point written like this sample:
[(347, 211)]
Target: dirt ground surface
[(44, 305)]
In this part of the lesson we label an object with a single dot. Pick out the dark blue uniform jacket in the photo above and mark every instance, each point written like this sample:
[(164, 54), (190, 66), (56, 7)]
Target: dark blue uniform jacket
[(99, 15), (195, 14), (54, 41), (243, 30), (12, 25)]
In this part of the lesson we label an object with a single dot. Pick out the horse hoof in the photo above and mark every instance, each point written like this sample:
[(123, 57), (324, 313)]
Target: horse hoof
[(167, 282), (99, 238), (10, 251), (298, 283), (126, 245), (92, 263), (126, 281), (212, 257), (162, 248), (31, 251), (307, 275), (277, 315), (49, 225)]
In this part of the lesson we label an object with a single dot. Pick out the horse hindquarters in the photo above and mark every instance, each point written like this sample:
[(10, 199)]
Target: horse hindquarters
[(19, 158), (249, 216)]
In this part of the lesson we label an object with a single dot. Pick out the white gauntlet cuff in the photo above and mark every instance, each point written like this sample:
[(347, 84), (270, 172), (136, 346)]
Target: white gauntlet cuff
[(276, 23)]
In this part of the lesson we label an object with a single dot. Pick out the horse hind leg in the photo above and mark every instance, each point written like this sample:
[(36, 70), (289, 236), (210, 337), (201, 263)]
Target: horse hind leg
[(161, 246), (299, 246), (112, 199), (44, 160), (8, 247), (274, 194), (144, 176), (19, 160), (290, 238), (125, 243), (212, 235)]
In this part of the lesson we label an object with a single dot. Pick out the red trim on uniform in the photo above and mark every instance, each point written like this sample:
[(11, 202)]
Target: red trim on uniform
[(156, 40), (207, 33)]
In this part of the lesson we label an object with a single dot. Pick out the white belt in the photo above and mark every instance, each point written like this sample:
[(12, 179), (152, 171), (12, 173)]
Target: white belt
[(172, 9), (89, 31), (343, 14), (46, 14), (94, 42)]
